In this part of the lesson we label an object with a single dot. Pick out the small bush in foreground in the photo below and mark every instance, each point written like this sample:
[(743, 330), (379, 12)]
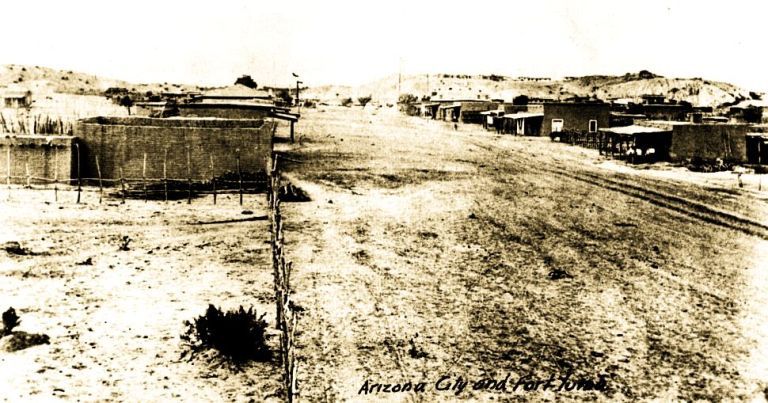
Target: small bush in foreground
[(10, 321), (237, 335)]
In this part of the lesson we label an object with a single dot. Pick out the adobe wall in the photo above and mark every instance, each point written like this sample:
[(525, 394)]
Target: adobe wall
[(576, 116), (45, 156), (709, 142), (122, 143)]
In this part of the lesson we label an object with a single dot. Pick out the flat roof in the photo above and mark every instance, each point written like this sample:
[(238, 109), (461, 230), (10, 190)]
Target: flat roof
[(633, 129), (523, 115), (224, 105)]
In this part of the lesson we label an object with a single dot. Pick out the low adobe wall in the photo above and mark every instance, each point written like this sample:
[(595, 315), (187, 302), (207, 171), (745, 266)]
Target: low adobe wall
[(123, 142), (709, 142), (44, 156)]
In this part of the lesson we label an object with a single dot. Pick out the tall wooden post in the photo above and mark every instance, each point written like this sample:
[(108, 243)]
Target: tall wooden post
[(55, 175), (122, 184), (144, 176), (239, 177), (189, 178), (165, 174), (79, 187), (8, 169), (292, 129), (213, 180), (101, 186)]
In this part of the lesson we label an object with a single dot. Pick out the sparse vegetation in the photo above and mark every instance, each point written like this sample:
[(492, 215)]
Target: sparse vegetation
[(407, 99), (346, 102), (10, 321), (364, 100), (238, 335), (125, 240)]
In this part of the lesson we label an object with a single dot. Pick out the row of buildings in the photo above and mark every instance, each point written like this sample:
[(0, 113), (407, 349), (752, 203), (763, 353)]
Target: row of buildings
[(654, 129)]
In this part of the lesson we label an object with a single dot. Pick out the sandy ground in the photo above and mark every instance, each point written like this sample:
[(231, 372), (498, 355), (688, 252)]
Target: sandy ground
[(427, 252), (114, 326), (424, 253)]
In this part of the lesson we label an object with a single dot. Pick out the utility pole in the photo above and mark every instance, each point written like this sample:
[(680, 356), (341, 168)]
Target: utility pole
[(298, 104), (298, 101)]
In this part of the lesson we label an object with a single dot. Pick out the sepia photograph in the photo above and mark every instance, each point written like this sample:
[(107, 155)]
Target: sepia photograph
[(396, 201)]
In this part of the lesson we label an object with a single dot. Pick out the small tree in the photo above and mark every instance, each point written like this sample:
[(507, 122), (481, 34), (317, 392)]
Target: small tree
[(246, 81), (407, 99), (753, 114), (127, 102), (285, 96), (364, 100), (346, 102), (520, 100)]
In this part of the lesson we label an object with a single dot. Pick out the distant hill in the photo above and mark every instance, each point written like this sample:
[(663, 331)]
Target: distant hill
[(44, 79), (697, 91)]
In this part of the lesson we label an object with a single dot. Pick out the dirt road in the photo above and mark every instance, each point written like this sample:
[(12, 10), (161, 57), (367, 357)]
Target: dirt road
[(431, 253)]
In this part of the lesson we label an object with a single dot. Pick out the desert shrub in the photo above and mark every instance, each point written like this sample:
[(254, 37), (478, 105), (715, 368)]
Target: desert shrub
[(10, 321), (124, 241), (364, 100), (237, 335), (346, 102)]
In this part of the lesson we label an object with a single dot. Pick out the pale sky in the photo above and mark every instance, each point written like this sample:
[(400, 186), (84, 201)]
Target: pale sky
[(353, 42)]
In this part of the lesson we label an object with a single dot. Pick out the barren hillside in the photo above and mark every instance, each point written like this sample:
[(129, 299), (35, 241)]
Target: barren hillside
[(45, 79), (697, 91)]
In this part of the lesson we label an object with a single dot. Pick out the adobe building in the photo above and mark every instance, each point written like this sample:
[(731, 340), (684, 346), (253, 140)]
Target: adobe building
[(228, 110), (15, 98), (37, 157), (122, 143), (750, 111), (636, 143), (709, 141), (236, 93), (574, 117), (465, 111), (523, 123)]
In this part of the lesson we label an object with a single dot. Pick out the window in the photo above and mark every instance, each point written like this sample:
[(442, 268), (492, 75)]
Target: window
[(557, 125), (593, 126)]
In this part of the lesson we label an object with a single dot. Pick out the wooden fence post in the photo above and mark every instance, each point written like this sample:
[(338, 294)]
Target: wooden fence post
[(8, 169), (122, 184), (79, 187), (189, 178), (239, 176), (165, 174), (144, 177), (55, 176), (29, 177), (213, 180), (101, 185)]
